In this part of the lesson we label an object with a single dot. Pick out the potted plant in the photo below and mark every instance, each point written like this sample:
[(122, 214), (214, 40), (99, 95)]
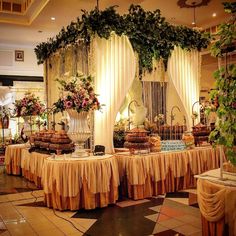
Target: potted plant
[(225, 91)]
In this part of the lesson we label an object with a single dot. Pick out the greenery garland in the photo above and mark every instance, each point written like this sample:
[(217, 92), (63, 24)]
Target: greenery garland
[(225, 92), (150, 35)]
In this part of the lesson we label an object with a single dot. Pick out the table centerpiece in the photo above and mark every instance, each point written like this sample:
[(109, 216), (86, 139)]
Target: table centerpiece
[(78, 99)]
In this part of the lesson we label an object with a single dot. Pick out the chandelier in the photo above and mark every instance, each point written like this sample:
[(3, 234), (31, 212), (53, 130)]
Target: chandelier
[(192, 4)]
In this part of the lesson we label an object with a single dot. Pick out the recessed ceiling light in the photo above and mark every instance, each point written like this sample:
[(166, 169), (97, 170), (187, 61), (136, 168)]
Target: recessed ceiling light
[(214, 14), (53, 18), (40, 31)]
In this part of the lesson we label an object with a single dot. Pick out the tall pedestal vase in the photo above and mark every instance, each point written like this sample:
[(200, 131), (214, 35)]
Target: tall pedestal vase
[(79, 131), (27, 126)]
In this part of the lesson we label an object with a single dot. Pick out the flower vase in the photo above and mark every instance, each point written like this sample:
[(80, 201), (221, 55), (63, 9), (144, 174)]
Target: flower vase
[(79, 131)]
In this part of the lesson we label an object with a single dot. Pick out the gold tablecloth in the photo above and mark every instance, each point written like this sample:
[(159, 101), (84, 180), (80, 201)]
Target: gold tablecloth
[(217, 203), (13, 158), (148, 175), (32, 165), (85, 183)]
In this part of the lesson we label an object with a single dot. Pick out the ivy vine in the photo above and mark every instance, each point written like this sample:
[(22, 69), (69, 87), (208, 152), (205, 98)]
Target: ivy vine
[(149, 33), (225, 92)]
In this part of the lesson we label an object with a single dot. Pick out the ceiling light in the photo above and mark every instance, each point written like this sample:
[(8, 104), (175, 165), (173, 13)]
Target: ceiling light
[(40, 31), (214, 14), (53, 18)]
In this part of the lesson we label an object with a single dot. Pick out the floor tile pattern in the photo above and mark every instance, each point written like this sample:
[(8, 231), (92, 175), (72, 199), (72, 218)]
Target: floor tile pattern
[(23, 213)]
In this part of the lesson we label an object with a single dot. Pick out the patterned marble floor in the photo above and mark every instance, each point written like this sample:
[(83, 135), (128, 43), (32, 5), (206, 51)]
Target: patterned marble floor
[(22, 212)]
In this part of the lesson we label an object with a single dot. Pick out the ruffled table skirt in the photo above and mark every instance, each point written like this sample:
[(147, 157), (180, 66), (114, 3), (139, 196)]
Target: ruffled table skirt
[(13, 158), (74, 184), (32, 165), (144, 176), (83, 200)]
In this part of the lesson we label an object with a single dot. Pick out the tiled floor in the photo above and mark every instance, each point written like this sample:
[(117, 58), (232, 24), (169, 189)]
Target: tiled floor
[(22, 212)]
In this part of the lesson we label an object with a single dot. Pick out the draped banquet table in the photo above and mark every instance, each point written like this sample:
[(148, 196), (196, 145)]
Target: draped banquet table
[(217, 203), (152, 174), (32, 165), (75, 183), (13, 158)]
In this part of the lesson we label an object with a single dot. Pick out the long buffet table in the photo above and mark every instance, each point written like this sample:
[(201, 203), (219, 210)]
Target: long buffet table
[(217, 203), (71, 183), (149, 175)]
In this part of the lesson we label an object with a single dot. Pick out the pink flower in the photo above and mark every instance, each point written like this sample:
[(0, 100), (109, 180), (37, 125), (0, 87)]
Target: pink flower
[(84, 103), (68, 104)]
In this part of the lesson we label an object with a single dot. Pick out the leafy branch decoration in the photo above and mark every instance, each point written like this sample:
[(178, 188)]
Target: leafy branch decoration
[(149, 33)]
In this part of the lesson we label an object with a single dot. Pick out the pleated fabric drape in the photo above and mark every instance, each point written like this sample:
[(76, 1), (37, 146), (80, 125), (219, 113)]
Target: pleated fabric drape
[(114, 67), (184, 71), (154, 98)]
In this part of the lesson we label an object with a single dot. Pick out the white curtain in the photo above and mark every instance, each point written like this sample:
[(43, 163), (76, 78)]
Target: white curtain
[(6, 96), (114, 66), (184, 71)]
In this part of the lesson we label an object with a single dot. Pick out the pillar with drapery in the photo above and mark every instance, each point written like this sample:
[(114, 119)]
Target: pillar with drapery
[(114, 67), (184, 72)]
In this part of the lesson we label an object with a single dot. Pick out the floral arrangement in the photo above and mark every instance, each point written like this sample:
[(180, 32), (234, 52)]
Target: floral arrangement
[(160, 117), (29, 105), (149, 126), (77, 94)]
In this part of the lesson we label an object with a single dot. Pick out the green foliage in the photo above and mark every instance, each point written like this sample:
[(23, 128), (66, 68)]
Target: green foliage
[(225, 93), (150, 35), (230, 7)]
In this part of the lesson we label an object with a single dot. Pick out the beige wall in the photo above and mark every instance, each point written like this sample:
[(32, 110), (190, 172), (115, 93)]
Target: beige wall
[(209, 66), (28, 67)]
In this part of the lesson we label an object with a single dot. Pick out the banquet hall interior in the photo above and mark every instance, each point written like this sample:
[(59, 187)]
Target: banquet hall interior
[(117, 117)]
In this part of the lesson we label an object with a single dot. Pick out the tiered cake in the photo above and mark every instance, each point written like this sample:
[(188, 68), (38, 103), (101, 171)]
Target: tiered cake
[(137, 139)]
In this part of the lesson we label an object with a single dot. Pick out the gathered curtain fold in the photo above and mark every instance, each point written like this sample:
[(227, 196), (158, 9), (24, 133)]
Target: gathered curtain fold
[(114, 67), (184, 72)]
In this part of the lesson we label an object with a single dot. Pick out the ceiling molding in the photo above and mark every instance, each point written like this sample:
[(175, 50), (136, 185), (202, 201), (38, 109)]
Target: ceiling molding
[(25, 18), (192, 4)]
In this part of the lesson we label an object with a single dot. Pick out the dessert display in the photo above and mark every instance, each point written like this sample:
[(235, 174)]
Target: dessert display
[(188, 139), (155, 143), (51, 140), (172, 145), (176, 131), (201, 133), (137, 140)]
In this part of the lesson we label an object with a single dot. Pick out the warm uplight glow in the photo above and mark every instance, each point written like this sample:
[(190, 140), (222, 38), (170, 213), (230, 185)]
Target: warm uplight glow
[(115, 72), (53, 18), (183, 70), (214, 14)]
